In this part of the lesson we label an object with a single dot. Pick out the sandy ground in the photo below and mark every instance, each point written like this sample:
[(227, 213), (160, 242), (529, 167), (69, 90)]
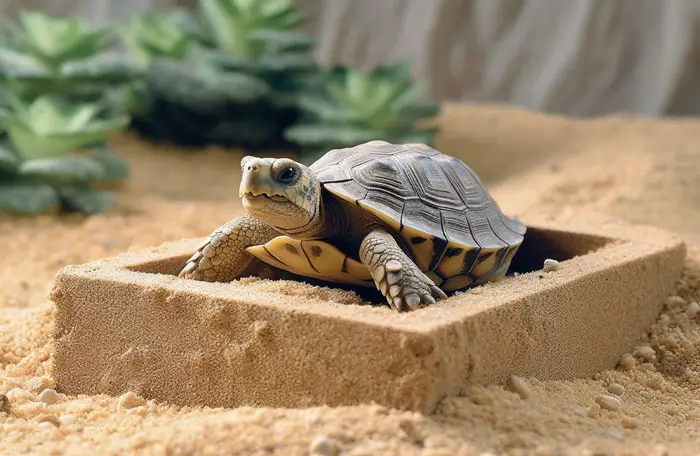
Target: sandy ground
[(641, 170)]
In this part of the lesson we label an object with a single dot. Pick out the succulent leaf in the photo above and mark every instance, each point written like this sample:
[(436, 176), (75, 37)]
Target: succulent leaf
[(85, 199), (55, 40), (325, 109), (44, 128), (279, 41), (223, 18), (188, 23), (232, 22), (102, 70), (62, 170), (227, 61), (28, 197), (9, 161), (114, 169), (14, 64), (290, 62), (154, 35), (203, 88)]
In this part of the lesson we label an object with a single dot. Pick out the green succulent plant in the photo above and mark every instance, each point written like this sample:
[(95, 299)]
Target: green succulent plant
[(154, 35), (45, 55), (249, 28), (348, 106), (54, 156), (232, 79)]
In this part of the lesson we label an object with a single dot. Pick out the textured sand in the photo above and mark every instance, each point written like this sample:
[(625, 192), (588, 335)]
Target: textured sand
[(641, 170)]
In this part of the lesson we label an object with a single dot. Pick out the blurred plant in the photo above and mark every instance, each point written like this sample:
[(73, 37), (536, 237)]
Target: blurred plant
[(44, 55), (349, 106), (54, 78), (53, 156), (227, 73)]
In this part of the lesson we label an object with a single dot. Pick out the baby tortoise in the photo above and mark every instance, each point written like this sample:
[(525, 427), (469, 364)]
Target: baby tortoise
[(406, 219)]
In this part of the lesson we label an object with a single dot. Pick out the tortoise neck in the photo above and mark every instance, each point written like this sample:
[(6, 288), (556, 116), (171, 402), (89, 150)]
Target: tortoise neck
[(329, 220)]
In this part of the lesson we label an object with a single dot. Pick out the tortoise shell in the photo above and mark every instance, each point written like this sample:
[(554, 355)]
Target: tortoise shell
[(455, 231)]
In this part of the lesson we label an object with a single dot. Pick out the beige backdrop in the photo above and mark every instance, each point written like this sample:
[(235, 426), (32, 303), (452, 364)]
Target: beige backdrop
[(578, 57)]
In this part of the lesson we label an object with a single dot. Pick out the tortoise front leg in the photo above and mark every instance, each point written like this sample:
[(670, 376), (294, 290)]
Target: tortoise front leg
[(222, 257), (400, 280)]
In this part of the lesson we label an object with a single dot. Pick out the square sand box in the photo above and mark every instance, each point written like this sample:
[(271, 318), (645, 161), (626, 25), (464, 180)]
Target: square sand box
[(128, 323)]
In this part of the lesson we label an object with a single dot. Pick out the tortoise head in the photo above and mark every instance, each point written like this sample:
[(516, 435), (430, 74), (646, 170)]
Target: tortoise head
[(280, 192)]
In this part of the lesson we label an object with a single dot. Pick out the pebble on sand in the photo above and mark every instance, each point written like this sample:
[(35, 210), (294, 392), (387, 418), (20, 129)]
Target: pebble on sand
[(693, 310), (49, 396), (323, 446), (676, 301), (130, 400), (608, 402), (518, 386), (616, 388), (551, 265)]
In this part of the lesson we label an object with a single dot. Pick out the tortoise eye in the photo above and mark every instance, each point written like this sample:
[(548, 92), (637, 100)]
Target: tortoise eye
[(287, 176)]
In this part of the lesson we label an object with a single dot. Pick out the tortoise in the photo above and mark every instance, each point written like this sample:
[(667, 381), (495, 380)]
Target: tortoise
[(405, 218)]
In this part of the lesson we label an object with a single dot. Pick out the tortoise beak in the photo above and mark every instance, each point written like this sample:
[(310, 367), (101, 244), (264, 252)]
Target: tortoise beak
[(256, 178)]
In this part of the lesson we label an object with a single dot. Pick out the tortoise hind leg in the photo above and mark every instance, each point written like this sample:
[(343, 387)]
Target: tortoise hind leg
[(222, 257), (402, 283)]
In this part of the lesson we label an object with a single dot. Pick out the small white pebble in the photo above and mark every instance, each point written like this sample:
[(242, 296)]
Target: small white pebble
[(608, 402), (551, 265), (616, 388), (693, 310), (130, 400), (19, 395), (518, 386), (675, 301), (323, 446), (68, 419), (49, 396)]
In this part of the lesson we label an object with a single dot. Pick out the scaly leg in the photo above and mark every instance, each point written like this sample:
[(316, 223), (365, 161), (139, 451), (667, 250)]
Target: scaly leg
[(399, 279), (222, 257)]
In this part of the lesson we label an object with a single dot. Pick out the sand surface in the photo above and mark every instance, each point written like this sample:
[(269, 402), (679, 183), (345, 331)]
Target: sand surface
[(640, 170)]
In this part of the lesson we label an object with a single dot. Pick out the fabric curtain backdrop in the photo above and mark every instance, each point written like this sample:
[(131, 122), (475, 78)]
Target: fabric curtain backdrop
[(574, 57)]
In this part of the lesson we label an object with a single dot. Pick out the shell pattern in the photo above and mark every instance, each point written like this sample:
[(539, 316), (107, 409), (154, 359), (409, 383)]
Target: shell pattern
[(454, 229)]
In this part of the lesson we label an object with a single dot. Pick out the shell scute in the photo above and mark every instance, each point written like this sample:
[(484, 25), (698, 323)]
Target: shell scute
[(428, 181), (467, 185)]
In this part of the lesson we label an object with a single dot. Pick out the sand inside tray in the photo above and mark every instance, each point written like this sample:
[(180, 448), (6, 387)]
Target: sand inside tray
[(640, 170)]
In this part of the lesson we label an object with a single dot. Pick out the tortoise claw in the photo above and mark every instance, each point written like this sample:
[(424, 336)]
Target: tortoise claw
[(437, 292)]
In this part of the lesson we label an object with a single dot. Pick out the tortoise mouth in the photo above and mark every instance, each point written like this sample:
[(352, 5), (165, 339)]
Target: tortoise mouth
[(253, 197)]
